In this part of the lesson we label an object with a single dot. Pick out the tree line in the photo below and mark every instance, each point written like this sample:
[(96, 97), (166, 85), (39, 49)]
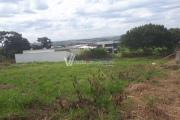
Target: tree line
[(13, 43), (145, 40), (149, 39)]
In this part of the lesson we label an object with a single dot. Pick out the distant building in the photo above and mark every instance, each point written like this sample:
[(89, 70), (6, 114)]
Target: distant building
[(82, 46), (111, 46)]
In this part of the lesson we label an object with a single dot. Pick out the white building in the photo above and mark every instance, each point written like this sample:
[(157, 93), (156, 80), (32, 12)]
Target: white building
[(43, 55), (50, 55)]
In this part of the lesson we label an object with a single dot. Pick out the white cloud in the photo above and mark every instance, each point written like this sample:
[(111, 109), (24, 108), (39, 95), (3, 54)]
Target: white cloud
[(73, 19), (39, 4)]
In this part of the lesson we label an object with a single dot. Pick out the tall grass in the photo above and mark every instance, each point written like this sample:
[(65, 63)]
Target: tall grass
[(34, 86)]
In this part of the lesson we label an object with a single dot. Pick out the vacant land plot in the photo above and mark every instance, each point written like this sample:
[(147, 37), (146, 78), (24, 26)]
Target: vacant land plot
[(130, 89)]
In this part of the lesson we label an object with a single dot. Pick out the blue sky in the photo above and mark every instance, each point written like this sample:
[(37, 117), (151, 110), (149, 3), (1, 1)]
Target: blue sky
[(78, 19)]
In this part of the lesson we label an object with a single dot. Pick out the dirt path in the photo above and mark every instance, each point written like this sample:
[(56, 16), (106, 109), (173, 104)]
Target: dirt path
[(156, 99)]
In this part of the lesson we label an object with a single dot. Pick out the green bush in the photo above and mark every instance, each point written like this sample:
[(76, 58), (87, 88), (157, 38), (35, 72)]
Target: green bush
[(1, 57), (99, 53), (125, 52), (86, 53), (93, 53), (162, 51)]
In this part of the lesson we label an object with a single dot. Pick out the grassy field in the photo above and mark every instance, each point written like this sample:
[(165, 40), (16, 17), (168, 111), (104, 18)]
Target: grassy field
[(54, 90)]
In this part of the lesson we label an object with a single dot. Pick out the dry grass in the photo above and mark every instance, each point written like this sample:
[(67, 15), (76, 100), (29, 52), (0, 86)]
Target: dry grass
[(155, 102)]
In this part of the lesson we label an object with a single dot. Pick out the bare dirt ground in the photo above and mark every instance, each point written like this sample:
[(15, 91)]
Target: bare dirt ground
[(155, 99)]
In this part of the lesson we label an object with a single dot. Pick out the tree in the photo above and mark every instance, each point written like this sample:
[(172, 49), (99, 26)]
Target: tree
[(175, 36), (36, 47), (147, 38), (13, 43), (2, 37), (45, 42)]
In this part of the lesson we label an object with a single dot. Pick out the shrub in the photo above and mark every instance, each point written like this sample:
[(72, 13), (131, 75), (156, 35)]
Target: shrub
[(84, 54), (95, 53), (99, 53)]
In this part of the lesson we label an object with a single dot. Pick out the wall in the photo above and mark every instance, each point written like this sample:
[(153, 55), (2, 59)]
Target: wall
[(38, 51), (42, 57)]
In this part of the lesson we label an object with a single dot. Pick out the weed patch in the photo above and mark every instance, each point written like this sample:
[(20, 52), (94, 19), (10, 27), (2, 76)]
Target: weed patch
[(55, 91)]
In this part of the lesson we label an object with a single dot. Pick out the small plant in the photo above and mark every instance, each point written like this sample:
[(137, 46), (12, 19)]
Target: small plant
[(177, 62), (150, 100), (148, 76), (154, 82), (6, 64)]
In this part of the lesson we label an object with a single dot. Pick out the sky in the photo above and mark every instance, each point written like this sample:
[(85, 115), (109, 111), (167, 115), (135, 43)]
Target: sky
[(79, 19)]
